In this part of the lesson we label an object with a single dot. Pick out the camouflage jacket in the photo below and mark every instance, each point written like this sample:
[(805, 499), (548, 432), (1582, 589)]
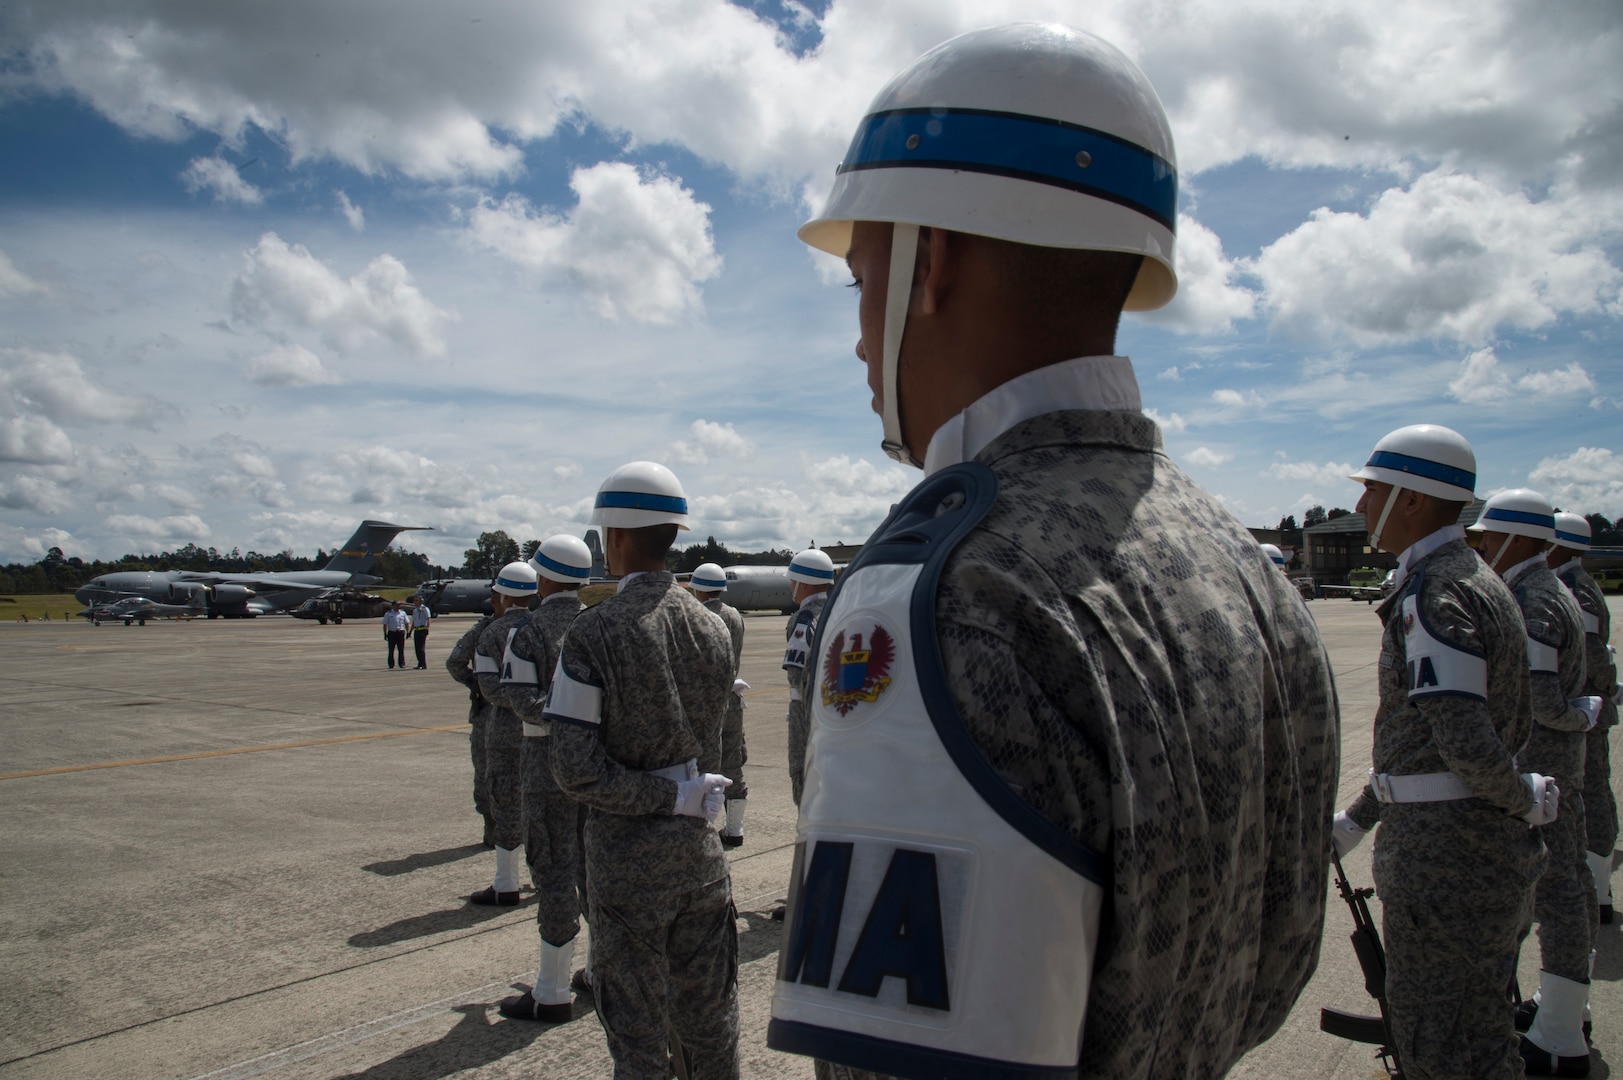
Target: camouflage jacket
[(1555, 746), (459, 661), (664, 668), (1600, 667), (539, 641), (797, 634), (1420, 730), (488, 661), (1132, 664)]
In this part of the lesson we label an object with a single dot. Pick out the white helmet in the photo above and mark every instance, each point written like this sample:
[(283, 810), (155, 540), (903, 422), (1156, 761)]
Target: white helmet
[(1572, 531), (563, 558), (640, 494), (1518, 512), (708, 577), (516, 579), (1275, 556), (1033, 133), (812, 567), (1428, 458)]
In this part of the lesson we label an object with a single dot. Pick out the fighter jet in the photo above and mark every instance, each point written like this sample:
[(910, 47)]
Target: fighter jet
[(244, 596), (138, 609)]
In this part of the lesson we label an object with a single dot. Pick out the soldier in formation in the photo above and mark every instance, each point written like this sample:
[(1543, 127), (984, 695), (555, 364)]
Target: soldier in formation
[(1517, 526), (1008, 703), (552, 820), (811, 575), (459, 662), (708, 582), (635, 707), (514, 589)]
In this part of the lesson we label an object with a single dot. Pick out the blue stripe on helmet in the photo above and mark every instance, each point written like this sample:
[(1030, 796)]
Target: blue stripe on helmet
[(1035, 148), (812, 571), (641, 500), (1431, 470), (1521, 517), (707, 583), (522, 586), (1572, 538), (560, 568)]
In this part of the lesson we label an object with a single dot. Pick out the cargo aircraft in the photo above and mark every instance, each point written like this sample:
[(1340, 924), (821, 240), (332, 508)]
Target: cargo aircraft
[(243, 596)]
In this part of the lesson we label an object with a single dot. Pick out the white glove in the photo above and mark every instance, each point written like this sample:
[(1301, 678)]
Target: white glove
[(739, 686), (1546, 797), (1345, 834), (702, 796), (1589, 706)]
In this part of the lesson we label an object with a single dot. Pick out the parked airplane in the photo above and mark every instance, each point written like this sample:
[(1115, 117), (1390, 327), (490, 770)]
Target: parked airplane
[(758, 588), (243, 596), (138, 609)]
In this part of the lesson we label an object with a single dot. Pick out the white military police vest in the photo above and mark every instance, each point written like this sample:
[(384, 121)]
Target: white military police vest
[(938, 926)]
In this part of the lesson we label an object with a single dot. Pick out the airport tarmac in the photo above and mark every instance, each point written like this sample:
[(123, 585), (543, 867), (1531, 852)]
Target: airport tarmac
[(240, 848)]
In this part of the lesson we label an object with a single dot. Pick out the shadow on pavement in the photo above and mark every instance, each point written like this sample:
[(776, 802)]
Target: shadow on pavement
[(762, 938), (473, 1042), (435, 922), (395, 867)]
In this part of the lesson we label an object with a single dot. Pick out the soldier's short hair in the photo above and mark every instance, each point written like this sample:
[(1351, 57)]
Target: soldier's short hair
[(1065, 287), (652, 541)]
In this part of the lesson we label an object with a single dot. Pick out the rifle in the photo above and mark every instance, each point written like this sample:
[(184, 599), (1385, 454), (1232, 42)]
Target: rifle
[(1366, 940)]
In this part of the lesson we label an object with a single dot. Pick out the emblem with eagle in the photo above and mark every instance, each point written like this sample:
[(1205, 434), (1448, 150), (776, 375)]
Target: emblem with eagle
[(859, 673)]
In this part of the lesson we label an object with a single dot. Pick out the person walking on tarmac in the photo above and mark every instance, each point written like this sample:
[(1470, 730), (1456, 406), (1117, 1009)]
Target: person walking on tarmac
[(811, 575), (421, 617), (1516, 527), (636, 705), (1074, 743), (1455, 708), (395, 623), (1572, 536), (459, 663), (510, 596), (552, 820), (708, 582)]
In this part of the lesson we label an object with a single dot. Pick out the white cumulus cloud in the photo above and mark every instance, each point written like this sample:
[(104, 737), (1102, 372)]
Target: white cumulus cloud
[(178, 528), (15, 283), (219, 178), (707, 439), (289, 365), (287, 281), (1169, 422), (1236, 398), (1209, 301), (1207, 458), (1587, 481), (352, 213), (1327, 474), (1482, 381), (633, 245)]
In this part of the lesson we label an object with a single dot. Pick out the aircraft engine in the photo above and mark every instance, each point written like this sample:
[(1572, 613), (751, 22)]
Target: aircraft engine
[(184, 592), (231, 594)]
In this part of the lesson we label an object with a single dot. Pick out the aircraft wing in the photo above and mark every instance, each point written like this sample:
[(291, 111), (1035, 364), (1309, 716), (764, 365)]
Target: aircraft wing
[(257, 582)]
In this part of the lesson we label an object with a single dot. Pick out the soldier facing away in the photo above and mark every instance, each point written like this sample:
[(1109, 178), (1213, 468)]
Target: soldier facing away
[(1060, 683), (708, 582), (510, 596), (459, 662), (811, 575)]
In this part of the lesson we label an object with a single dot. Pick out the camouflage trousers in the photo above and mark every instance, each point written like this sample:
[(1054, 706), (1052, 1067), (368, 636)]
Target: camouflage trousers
[(476, 747), (799, 731), (1456, 883), (503, 736), (664, 970), (1564, 904), (1600, 808), (733, 751), (552, 823)]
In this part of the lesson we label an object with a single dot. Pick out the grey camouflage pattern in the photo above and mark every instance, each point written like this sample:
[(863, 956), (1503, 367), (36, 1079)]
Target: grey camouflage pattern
[(734, 753), (503, 735), (1600, 805), (540, 641), (665, 666), (1134, 667), (1564, 897), (800, 680), (1447, 976), (459, 662)]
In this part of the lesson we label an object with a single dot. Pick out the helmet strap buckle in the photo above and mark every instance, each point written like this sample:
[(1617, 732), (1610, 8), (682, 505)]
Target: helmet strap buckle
[(904, 247)]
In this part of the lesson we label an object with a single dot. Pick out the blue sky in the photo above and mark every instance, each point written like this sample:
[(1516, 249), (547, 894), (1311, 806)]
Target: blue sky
[(267, 270)]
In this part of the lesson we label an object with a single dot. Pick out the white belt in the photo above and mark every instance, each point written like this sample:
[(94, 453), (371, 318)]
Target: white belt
[(535, 731), (1419, 787), (687, 770)]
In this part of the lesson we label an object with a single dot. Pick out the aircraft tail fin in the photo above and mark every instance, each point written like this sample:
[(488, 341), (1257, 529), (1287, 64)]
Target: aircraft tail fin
[(360, 553), (595, 546)]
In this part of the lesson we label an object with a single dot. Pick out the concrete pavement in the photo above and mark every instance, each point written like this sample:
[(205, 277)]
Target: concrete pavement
[(240, 848)]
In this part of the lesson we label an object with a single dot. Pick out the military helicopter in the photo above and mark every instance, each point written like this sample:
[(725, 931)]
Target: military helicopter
[(339, 603)]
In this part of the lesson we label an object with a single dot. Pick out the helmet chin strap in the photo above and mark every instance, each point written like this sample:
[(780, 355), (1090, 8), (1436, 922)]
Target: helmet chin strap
[(1504, 547), (904, 247), (1375, 533)]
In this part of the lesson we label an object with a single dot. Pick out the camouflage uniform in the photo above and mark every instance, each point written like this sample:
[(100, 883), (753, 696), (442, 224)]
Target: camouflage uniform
[(1455, 878), (1600, 807), (1564, 900), (1133, 667), (733, 751), (664, 941), (552, 820), (798, 633), (460, 664), (504, 731)]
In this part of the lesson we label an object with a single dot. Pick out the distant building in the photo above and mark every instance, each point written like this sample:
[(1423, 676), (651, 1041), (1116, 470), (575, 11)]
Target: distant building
[(1287, 541), (1333, 549)]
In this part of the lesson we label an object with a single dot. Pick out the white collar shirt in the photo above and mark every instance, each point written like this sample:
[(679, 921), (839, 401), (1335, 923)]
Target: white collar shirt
[(567, 594), (1411, 555), (1087, 382)]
